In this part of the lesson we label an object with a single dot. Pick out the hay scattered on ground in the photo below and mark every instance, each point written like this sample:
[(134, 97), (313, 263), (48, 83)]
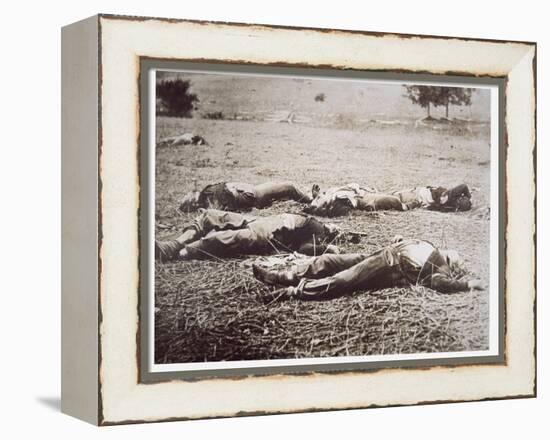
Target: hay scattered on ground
[(216, 311), (209, 310)]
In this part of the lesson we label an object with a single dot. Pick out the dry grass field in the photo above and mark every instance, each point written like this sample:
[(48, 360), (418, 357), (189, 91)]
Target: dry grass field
[(214, 311)]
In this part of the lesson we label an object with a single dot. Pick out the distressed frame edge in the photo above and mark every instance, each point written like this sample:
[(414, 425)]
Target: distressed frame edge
[(124, 17), (532, 152), (315, 410), (535, 201), (104, 422)]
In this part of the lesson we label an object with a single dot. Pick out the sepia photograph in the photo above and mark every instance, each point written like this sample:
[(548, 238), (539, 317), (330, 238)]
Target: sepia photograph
[(314, 219), (274, 219)]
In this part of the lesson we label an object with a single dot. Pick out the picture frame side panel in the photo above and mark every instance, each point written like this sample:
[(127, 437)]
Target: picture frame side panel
[(80, 224)]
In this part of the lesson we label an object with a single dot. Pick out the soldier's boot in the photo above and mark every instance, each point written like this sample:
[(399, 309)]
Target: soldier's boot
[(275, 277), (166, 250)]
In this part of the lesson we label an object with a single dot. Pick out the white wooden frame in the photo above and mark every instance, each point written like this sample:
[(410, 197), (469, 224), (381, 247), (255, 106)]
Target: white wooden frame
[(100, 361)]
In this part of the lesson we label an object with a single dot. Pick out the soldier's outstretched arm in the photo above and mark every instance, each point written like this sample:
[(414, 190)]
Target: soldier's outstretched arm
[(445, 284)]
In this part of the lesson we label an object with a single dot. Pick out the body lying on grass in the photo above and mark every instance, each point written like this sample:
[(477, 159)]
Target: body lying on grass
[(403, 262), (341, 200), (183, 139), (438, 198), (216, 234), (237, 196)]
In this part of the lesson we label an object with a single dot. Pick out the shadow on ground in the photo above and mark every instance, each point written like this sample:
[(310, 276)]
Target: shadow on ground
[(52, 403)]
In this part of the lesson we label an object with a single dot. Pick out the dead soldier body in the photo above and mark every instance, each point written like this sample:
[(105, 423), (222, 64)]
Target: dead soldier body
[(404, 262), (235, 196), (341, 200), (218, 234), (437, 198)]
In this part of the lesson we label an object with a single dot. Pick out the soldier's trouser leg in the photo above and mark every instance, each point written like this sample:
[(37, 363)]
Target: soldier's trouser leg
[(328, 264), (269, 192), (211, 220), (293, 193), (208, 221), (381, 202), (359, 276), (388, 202), (224, 244), (319, 267), (408, 198)]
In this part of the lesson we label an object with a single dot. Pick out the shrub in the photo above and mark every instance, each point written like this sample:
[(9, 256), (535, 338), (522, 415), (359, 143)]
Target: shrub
[(174, 98), (320, 97), (214, 115)]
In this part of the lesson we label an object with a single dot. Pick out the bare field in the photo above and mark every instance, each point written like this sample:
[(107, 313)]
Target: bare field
[(212, 310)]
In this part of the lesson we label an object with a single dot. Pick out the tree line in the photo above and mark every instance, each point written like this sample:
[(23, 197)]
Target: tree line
[(174, 97), (435, 96)]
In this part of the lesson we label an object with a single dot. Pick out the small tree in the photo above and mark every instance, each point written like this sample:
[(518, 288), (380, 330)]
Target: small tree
[(320, 97), (175, 98), (426, 96), (455, 96)]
